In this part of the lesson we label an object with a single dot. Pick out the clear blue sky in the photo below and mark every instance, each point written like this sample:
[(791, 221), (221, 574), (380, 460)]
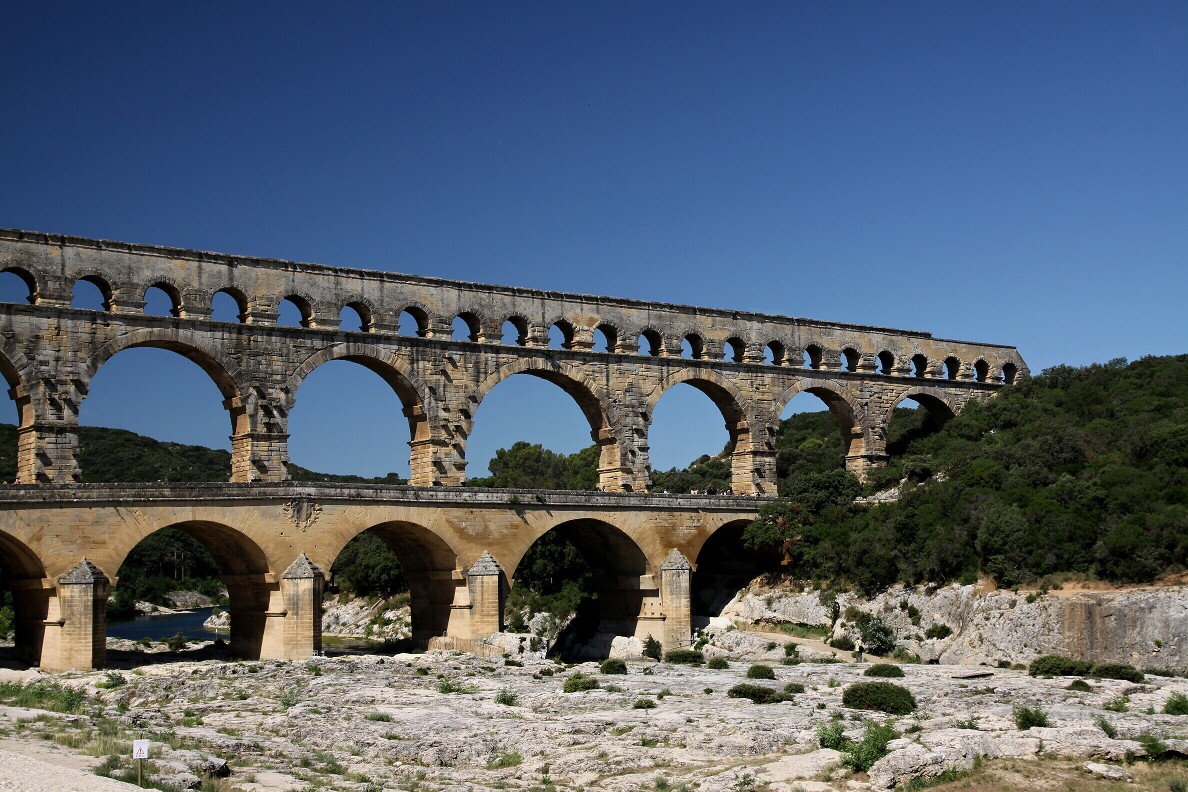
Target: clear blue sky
[(1010, 172)]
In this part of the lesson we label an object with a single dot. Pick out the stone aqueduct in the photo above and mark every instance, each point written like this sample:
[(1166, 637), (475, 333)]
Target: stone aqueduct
[(62, 542)]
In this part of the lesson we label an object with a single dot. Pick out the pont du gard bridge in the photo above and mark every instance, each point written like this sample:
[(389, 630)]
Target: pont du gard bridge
[(62, 541)]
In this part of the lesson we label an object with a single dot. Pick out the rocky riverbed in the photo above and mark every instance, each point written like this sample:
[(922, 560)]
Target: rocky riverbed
[(451, 721)]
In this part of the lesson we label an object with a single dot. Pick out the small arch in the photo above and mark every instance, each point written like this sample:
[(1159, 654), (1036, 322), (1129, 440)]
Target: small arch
[(561, 335), (414, 320), (886, 363), (840, 404), (813, 355), (21, 287), (606, 338), (162, 299), (515, 331), (294, 311), (734, 349), (356, 317), (693, 347), (919, 366), (466, 327), (229, 305), (981, 370), (1010, 373), (849, 359), (650, 343), (91, 293), (952, 367), (774, 353)]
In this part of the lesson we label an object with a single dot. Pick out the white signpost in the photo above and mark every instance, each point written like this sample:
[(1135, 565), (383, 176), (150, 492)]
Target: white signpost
[(140, 749)]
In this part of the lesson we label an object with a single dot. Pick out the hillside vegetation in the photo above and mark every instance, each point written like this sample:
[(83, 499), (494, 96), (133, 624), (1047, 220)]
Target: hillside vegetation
[(1078, 470)]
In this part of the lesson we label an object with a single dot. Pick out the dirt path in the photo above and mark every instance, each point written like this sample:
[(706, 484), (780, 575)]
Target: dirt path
[(810, 643)]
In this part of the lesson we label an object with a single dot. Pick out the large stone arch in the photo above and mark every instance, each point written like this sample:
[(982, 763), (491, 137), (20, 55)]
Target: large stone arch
[(244, 568), (938, 402), (626, 601), (418, 405), (430, 563), (15, 370), (845, 409), (591, 399), (749, 473), (23, 573), (723, 565)]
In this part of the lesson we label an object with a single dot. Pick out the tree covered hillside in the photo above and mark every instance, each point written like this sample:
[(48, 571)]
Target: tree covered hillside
[(1079, 470)]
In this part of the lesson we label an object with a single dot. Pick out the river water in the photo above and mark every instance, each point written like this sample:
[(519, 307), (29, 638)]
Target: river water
[(162, 626)]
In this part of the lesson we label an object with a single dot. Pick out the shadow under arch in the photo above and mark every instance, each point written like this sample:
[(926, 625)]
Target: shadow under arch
[(430, 567), (840, 406), (730, 404), (590, 399), (23, 576), (414, 397), (725, 565), (614, 572), (243, 568), (939, 411)]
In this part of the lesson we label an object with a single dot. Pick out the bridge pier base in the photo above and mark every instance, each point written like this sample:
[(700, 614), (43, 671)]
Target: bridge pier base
[(75, 636), (486, 587), (298, 636), (676, 574)]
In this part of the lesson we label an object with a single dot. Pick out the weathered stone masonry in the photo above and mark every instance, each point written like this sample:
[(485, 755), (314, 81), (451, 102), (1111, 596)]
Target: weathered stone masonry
[(50, 351)]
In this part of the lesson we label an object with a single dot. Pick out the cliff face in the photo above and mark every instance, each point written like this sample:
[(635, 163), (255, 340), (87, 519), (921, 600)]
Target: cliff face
[(1147, 627)]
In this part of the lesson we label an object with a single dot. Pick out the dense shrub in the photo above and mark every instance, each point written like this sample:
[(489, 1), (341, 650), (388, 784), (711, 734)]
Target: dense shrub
[(760, 671), (843, 642), (860, 756), (759, 694), (832, 735), (1080, 685), (1116, 671), (651, 648), (881, 696), (883, 670), (613, 665), (1058, 665), (644, 703), (1177, 704), (717, 663), (578, 683), (791, 650), (1030, 718), (938, 631), (792, 688), (684, 656)]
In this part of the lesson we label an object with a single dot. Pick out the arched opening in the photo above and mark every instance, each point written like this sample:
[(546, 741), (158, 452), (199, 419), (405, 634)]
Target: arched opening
[(528, 435), (817, 433), (733, 350), (228, 305), (911, 423), (466, 327), (515, 331), (605, 338), (17, 286), (294, 311), (413, 321), (689, 448), (355, 318), (886, 363), (849, 359), (1009, 372), (132, 425), (981, 370), (91, 293), (773, 354), (24, 602), (919, 366), (18, 414), (561, 335), (650, 343), (411, 569), (952, 367), (588, 577), (724, 566), (693, 347), (812, 356), (161, 299), (215, 562), (345, 423)]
